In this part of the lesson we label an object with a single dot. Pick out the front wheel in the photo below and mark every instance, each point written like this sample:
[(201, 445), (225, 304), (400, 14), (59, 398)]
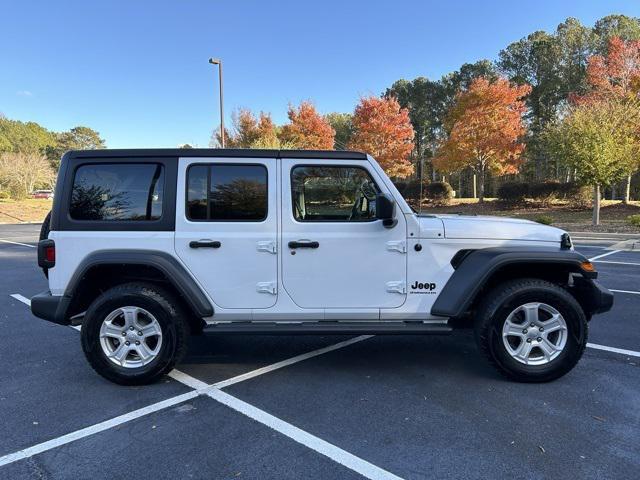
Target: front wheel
[(134, 333), (531, 330)]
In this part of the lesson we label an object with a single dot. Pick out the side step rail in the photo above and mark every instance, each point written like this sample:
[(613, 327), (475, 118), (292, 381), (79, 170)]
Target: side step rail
[(329, 328)]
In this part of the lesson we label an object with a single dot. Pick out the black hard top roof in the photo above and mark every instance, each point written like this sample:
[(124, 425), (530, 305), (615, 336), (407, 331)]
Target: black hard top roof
[(217, 152)]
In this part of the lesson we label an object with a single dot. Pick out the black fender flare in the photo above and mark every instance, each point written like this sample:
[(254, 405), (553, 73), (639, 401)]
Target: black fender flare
[(473, 268), (172, 270)]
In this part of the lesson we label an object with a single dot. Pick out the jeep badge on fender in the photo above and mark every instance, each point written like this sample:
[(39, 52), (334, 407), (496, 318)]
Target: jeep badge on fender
[(185, 241), (429, 287)]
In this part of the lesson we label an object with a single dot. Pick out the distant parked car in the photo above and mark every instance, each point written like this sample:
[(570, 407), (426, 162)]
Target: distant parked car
[(48, 194)]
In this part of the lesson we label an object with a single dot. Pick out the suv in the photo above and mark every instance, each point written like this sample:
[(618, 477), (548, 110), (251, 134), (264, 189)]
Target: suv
[(144, 247)]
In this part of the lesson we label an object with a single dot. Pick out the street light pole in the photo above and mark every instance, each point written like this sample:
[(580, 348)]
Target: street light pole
[(217, 61)]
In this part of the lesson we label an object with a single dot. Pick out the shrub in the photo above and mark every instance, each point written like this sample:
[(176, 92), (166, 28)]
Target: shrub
[(545, 219), (4, 195), (409, 189), (578, 196), (634, 220), (438, 192), (546, 192), (513, 192)]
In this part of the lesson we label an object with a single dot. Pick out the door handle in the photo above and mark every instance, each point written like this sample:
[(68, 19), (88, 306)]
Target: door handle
[(303, 244), (205, 244)]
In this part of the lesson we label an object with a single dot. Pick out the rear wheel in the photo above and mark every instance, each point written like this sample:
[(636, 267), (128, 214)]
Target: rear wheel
[(134, 333), (531, 330)]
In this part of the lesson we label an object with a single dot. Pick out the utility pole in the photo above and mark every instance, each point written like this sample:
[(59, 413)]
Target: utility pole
[(217, 61)]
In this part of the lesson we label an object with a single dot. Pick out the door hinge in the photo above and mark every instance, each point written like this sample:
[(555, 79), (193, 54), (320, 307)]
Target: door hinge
[(267, 246), (397, 246), (397, 287), (267, 287)]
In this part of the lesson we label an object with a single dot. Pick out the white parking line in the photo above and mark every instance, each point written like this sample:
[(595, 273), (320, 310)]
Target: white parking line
[(20, 298), (290, 361), (619, 263), (622, 351), (93, 429), (26, 301), (188, 380), (323, 447), (603, 255), (624, 291), (304, 438), (17, 243)]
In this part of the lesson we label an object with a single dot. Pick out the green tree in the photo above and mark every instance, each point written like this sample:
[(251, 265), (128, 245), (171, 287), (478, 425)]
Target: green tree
[(24, 137), (600, 141), (426, 102), (78, 138), (342, 123), (462, 78), (627, 28), (535, 60), (576, 43)]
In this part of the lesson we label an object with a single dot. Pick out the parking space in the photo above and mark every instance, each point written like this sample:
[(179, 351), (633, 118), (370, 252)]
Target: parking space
[(431, 407), (48, 389), (197, 439), (315, 406)]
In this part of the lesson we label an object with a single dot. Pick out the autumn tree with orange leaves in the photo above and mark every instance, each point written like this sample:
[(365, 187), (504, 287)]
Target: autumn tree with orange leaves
[(307, 129), (616, 75), (485, 130), (251, 132), (383, 129)]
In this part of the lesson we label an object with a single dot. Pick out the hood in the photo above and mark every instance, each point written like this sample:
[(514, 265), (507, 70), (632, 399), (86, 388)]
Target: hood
[(497, 228)]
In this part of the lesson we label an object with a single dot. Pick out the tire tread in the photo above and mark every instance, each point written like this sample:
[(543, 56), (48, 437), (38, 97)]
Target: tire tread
[(167, 302), (492, 303)]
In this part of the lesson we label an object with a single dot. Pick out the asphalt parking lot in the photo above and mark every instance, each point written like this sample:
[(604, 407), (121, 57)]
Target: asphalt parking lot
[(325, 407)]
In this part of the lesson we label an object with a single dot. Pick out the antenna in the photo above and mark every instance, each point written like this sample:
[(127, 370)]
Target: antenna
[(421, 159)]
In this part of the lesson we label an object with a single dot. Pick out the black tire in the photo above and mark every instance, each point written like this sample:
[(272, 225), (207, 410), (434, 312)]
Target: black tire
[(44, 234), (504, 299), (167, 311)]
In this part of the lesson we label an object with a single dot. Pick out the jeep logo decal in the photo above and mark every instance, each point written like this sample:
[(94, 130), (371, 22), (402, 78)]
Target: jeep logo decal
[(423, 287)]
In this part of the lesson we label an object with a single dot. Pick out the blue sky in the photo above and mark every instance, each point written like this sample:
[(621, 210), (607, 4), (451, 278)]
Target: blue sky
[(137, 70)]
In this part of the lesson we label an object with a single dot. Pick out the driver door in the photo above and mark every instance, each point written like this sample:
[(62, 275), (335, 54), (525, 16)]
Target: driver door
[(336, 254)]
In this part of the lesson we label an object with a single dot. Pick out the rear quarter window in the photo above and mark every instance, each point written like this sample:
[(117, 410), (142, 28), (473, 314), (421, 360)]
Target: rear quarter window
[(117, 192)]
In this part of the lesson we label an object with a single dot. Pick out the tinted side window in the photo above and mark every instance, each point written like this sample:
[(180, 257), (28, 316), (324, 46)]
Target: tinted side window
[(333, 194), (227, 193), (115, 191)]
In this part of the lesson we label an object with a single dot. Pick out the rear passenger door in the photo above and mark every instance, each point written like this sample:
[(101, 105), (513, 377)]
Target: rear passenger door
[(226, 229)]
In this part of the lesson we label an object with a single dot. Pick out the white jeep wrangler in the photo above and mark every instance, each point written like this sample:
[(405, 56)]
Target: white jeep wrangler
[(144, 247)]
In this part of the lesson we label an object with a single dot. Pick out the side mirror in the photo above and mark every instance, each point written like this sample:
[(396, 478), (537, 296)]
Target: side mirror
[(386, 210)]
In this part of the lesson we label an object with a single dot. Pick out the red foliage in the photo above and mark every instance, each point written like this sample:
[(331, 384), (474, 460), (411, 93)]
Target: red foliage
[(485, 129), (616, 75), (383, 129), (308, 129)]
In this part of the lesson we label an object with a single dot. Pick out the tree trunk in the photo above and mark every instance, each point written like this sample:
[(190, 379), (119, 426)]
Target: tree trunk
[(596, 205), (481, 185), (627, 191), (475, 186)]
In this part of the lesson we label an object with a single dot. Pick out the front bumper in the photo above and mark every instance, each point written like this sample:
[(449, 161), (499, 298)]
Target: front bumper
[(51, 307), (594, 298)]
